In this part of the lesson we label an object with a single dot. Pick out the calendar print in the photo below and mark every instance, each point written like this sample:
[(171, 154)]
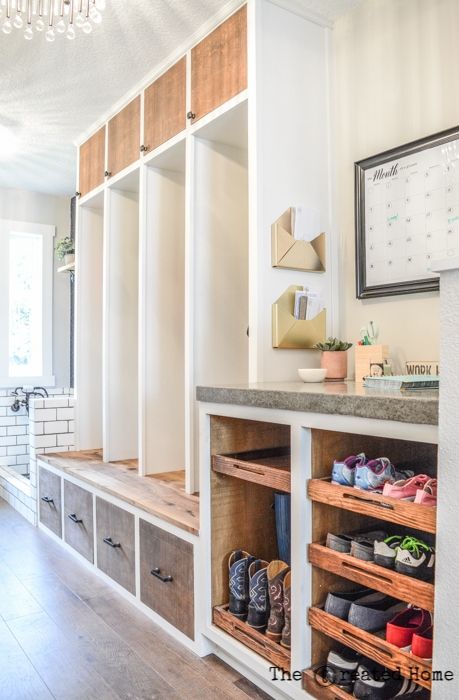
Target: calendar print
[(411, 215)]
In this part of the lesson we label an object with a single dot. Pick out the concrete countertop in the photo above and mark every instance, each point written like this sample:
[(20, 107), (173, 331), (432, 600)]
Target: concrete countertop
[(346, 399)]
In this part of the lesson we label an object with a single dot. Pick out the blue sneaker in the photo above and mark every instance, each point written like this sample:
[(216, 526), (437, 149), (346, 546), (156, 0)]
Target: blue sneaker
[(374, 474), (343, 473)]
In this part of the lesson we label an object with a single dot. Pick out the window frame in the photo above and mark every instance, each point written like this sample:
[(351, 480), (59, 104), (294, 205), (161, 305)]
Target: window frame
[(47, 232)]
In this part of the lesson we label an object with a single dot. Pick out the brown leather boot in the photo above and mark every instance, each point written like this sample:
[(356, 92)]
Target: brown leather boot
[(286, 632), (276, 574)]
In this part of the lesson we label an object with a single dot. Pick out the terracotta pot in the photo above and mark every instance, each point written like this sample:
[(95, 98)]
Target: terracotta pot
[(335, 362)]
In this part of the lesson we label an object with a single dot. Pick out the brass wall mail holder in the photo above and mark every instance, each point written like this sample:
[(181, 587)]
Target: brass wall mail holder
[(289, 332), (292, 254)]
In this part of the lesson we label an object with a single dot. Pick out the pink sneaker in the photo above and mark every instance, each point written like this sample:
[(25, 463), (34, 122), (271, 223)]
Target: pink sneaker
[(406, 489), (427, 496)]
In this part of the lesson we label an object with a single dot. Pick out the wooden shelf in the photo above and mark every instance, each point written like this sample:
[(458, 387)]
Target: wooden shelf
[(320, 689), (371, 645), (374, 505), (258, 642), (406, 588), (67, 268), (270, 467)]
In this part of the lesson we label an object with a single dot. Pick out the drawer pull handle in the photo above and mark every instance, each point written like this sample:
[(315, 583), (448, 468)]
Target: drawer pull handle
[(371, 502), (74, 518), (371, 574), (47, 499), (251, 468), (157, 573), (190, 115), (109, 541)]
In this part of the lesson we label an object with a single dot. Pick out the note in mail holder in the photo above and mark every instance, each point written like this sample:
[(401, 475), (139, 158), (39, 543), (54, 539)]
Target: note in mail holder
[(292, 254), (289, 332)]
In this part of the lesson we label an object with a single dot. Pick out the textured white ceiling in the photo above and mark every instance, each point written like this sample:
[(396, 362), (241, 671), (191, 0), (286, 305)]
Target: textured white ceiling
[(51, 93)]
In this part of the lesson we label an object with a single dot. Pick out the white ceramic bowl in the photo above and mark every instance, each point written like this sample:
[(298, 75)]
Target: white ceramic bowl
[(312, 375)]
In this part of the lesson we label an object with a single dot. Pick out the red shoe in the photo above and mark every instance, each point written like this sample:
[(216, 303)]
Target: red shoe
[(406, 489), (404, 625), (422, 644)]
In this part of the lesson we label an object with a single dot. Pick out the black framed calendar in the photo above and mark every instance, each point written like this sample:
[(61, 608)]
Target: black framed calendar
[(407, 215)]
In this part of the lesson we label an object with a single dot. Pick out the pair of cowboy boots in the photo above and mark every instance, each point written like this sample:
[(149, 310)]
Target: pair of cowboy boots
[(260, 594)]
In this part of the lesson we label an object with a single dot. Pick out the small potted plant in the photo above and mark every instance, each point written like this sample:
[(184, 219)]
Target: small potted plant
[(65, 250), (334, 358)]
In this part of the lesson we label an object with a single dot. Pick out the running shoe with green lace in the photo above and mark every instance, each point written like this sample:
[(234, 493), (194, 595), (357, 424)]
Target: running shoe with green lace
[(385, 551), (415, 558)]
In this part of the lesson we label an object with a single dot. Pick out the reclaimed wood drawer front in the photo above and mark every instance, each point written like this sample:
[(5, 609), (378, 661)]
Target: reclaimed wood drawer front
[(50, 511), (166, 576), (115, 543), (78, 520)]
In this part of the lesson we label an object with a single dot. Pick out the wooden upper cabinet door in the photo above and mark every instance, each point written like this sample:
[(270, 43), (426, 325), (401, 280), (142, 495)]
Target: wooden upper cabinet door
[(124, 137), (219, 65), (165, 106), (92, 162)]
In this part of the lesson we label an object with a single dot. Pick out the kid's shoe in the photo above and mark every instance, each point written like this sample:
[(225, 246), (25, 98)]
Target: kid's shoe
[(374, 474), (343, 473), (402, 627), (385, 551), (374, 682), (427, 496), (415, 558), (406, 489), (421, 644)]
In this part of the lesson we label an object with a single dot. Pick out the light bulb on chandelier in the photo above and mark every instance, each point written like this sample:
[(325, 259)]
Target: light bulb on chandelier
[(53, 17)]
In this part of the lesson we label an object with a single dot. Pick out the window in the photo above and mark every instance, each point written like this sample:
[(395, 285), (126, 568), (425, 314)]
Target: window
[(26, 303)]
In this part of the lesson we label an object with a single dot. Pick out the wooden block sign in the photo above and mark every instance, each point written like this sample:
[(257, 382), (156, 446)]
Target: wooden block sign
[(367, 355), (423, 367)]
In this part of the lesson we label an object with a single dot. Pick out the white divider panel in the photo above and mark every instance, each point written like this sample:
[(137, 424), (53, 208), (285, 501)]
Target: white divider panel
[(163, 420), (89, 325), (121, 325)]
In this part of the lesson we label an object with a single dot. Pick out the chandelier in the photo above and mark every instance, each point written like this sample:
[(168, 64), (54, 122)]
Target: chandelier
[(52, 17)]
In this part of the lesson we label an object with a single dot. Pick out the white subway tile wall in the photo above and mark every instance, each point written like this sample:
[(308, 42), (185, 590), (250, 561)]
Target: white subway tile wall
[(49, 427)]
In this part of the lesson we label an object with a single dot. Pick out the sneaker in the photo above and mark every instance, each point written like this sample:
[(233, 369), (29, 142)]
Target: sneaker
[(406, 489), (415, 558), (341, 667), (362, 547), (373, 475), (374, 682), (343, 473), (421, 644), (372, 616), (338, 603), (402, 627), (385, 551), (428, 495)]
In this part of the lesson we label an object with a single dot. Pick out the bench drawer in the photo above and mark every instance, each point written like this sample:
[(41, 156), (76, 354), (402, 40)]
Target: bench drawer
[(78, 520), (166, 576), (50, 510), (116, 543)]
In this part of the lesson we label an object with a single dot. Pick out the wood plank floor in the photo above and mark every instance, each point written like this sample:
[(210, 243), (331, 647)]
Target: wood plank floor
[(65, 634)]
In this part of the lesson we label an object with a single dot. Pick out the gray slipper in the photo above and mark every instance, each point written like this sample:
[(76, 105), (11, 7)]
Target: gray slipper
[(373, 616), (338, 603)]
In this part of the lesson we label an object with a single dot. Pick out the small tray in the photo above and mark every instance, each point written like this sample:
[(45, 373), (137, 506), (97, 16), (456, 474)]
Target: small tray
[(371, 645), (262, 645), (370, 575), (374, 505), (270, 467)]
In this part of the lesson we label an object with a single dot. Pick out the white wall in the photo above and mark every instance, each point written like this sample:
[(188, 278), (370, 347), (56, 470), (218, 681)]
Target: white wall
[(394, 80), (37, 208)]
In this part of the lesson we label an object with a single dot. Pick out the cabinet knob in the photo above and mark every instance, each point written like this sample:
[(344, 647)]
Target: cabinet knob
[(144, 149), (191, 115), (77, 194), (74, 518), (157, 573), (107, 173)]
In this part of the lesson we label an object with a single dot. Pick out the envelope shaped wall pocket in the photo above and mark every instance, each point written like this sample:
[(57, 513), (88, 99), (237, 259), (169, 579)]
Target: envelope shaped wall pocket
[(289, 332), (295, 254)]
